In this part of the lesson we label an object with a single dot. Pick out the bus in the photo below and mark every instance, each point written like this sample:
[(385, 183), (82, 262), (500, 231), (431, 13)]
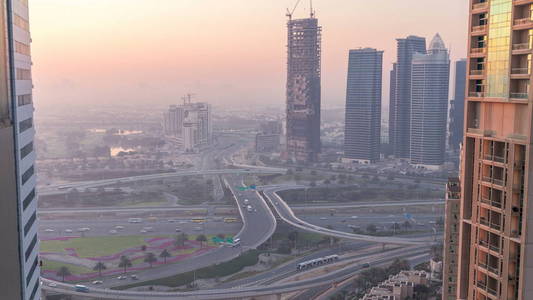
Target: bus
[(198, 220), (231, 220)]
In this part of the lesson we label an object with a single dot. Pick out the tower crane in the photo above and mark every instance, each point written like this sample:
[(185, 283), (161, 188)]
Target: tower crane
[(291, 12)]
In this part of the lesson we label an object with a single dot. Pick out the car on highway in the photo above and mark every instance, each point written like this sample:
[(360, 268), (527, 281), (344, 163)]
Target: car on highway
[(122, 277), (148, 229), (135, 220), (197, 228), (323, 218), (178, 230), (84, 229), (81, 288), (68, 230), (113, 231), (52, 284), (249, 208), (49, 230), (97, 282), (171, 221), (143, 231), (354, 217), (134, 277), (365, 266)]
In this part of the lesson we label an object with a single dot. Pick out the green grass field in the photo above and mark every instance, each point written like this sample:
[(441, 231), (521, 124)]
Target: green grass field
[(106, 245), (50, 265)]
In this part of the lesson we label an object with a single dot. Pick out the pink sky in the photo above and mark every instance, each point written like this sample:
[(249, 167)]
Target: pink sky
[(227, 52)]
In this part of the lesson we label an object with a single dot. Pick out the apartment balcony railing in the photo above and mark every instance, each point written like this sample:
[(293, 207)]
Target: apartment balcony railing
[(485, 222), (477, 72), (494, 158), (489, 246), (489, 268), (476, 94), (492, 291), (516, 95), (479, 6), (496, 204), (478, 50), (489, 179), (479, 28), (523, 21), (520, 71), (522, 46)]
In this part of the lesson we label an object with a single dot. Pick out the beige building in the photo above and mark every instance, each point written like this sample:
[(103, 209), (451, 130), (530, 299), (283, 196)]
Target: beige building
[(398, 287), (495, 242)]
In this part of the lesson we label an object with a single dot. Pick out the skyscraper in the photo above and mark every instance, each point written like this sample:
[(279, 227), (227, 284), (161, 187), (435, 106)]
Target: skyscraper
[(496, 237), (18, 205), (190, 123), (457, 107), (430, 75), (303, 90), (399, 124), (362, 133), (392, 103)]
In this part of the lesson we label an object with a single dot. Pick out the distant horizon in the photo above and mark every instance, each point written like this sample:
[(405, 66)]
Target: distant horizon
[(229, 54)]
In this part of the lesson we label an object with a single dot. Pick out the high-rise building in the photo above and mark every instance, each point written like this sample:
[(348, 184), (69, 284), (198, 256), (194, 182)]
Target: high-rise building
[(457, 106), (392, 103), (400, 123), (451, 239), (190, 123), (18, 204), (496, 236), (362, 133), (430, 75), (303, 90)]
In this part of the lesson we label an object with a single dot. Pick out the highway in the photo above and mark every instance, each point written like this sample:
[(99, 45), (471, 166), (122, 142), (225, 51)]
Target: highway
[(287, 215), (411, 253), (62, 188)]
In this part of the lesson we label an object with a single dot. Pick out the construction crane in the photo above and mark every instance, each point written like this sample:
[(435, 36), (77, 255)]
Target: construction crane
[(291, 12)]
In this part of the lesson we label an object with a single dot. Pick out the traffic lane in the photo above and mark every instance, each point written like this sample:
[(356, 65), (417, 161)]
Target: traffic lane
[(108, 227)]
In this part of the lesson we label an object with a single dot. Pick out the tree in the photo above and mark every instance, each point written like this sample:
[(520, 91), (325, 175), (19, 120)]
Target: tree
[(221, 236), (371, 228), (407, 225), (164, 255), (63, 272), (99, 267), (201, 238), (398, 265), (181, 239), (421, 291), (150, 258), (143, 248), (124, 263), (293, 237)]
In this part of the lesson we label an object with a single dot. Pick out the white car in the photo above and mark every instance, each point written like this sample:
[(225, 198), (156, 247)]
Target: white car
[(49, 230), (68, 230), (122, 277), (52, 284), (143, 231), (197, 228), (118, 227), (354, 217), (323, 218), (97, 282)]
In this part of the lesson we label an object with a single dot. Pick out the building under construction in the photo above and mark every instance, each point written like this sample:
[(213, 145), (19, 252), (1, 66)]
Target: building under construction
[(303, 89)]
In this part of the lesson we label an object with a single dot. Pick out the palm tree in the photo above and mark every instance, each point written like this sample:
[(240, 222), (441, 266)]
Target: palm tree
[(164, 255), (181, 239), (63, 272), (125, 263), (100, 266), (150, 258), (201, 238)]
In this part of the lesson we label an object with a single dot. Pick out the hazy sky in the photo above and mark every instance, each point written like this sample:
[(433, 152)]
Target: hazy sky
[(228, 52)]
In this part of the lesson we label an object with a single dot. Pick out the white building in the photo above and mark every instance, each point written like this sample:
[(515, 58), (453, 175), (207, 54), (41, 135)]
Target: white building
[(18, 205), (190, 123)]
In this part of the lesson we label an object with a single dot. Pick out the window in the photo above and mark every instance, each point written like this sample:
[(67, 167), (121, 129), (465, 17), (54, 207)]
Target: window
[(30, 223), (30, 248), (23, 74), (33, 267), (27, 175), (25, 125), (26, 150), (21, 23), (24, 99), (27, 201), (22, 48)]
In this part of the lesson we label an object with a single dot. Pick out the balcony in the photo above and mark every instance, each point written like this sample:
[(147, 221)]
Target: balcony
[(485, 222), (489, 246), (495, 181), (522, 47), (489, 268), (479, 28), (494, 158), (523, 22), (477, 72), (520, 96), (476, 94), (490, 202), (520, 71), (480, 6)]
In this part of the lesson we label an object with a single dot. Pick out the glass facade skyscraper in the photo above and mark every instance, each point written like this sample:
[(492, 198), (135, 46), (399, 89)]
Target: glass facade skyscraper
[(18, 205), (362, 133)]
